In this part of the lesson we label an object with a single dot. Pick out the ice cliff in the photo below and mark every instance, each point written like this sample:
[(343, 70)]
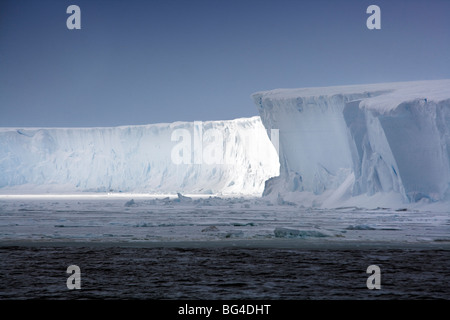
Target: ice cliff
[(337, 143), (225, 157), (377, 142)]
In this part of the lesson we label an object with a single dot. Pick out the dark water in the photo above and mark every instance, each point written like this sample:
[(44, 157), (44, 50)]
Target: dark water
[(222, 273)]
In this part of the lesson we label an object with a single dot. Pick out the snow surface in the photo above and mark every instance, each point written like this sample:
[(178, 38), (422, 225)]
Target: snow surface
[(226, 157), (381, 143)]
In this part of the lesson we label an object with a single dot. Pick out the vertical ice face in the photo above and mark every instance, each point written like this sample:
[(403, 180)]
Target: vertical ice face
[(313, 138), (420, 147), (230, 157), (391, 137), (374, 166)]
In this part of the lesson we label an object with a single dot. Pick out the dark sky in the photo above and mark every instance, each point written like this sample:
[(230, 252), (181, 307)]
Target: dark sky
[(140, 62)]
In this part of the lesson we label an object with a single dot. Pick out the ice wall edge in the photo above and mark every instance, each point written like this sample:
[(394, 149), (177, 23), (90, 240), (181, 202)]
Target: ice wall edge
[(348, 141), (218, 157)]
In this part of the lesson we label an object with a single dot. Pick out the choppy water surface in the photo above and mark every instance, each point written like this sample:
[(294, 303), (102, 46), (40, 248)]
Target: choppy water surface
[(222, 273), (216, 248)]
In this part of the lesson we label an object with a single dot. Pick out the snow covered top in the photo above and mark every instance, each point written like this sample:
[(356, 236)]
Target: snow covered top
[(382, 97), (159, 125)]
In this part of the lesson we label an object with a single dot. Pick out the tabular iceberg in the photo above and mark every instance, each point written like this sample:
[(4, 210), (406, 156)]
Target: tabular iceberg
[(385, 142), (337, 143), (140, 159)]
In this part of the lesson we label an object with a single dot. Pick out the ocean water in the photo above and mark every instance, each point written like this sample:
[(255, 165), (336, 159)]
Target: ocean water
[(105, 219), (222, 273), (214, 248)]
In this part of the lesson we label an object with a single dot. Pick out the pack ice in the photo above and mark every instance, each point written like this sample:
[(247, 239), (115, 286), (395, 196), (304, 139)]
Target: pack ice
[(139, 159), (378, 141)]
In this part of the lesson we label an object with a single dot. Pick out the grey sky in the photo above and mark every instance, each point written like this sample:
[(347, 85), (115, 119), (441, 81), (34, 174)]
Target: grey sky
[(139, 62)]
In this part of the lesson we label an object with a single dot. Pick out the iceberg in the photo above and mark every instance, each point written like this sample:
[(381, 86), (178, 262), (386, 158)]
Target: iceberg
[(387, 140), (217, 157), (360, 145)]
